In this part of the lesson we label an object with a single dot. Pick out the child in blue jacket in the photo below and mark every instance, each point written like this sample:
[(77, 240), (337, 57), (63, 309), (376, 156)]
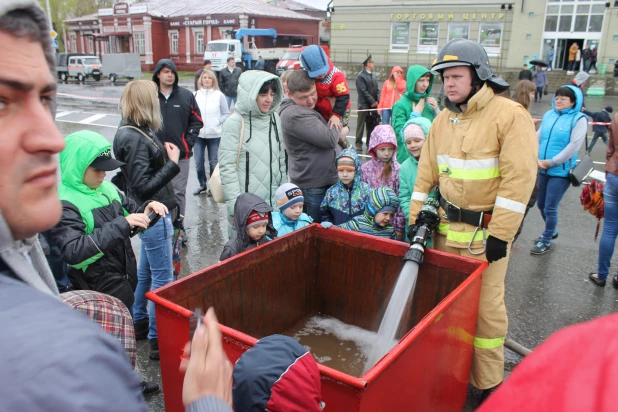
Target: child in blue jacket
[(290, 216)]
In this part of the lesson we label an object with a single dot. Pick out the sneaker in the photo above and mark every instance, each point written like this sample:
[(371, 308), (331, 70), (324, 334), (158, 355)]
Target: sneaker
[(540, 249), (615, 281), (540, 238), (359, 150), (141, 329), (199, 191), (148, 388), (597, 281), (153, 349)]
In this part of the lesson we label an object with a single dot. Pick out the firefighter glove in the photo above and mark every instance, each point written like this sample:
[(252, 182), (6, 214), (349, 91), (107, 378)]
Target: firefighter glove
[(496, 249)]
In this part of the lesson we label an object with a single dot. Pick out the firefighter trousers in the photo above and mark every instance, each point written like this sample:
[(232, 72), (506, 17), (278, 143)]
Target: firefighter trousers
[(488, 357)]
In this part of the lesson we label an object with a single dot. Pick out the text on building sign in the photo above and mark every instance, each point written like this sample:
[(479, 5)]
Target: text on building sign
[(446, 16)]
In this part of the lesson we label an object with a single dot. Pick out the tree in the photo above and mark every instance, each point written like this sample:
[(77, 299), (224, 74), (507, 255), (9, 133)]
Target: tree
[(68, 9)]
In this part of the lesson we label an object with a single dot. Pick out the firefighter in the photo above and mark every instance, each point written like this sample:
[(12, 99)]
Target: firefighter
[(481, 153)]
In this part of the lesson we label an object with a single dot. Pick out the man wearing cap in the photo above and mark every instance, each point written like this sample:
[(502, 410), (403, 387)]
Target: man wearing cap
[(94, 232), (368, 92), (481, 153)]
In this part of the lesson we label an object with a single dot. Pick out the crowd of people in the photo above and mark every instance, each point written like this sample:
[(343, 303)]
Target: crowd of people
[(284, 164)]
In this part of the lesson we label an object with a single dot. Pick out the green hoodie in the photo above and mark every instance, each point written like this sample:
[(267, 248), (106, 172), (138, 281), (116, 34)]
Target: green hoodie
[(81, 149), (403, 107)]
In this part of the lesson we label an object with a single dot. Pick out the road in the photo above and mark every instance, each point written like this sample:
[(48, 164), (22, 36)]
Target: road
[(543, 293)]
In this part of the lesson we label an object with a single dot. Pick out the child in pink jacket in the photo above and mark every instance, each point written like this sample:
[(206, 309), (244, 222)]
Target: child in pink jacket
[(383, 168)]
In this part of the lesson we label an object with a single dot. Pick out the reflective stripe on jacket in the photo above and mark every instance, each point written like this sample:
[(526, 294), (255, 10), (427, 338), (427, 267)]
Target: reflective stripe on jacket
[(482, 159)]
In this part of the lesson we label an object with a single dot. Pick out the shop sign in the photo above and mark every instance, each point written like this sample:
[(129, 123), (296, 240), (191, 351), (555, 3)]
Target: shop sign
[(338, 27), (400, 35), (121, 8), (139, 9), (447, 16), (201, 22), (84, 27)]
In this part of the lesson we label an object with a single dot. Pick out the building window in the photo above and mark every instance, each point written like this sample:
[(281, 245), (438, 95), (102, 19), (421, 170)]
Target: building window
[(174, 43), (199, 43), (490, 37), (91, 45), (596, 18), (400, 36), (139, 43), (428, 37), (73, 44), (111, 45), (458, 31), (579, 18)]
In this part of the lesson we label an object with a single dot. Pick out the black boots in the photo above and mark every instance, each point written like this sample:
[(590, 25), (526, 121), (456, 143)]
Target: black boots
[(148, 388), (141, 329), (486, 393), (153, 349)]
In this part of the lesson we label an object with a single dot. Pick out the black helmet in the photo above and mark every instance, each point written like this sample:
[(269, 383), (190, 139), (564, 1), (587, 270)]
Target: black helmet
[(463, 52)]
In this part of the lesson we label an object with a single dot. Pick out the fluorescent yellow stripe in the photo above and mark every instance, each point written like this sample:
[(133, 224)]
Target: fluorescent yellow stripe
[(480, 174), (468, 169), (462, 237), (488, 343)]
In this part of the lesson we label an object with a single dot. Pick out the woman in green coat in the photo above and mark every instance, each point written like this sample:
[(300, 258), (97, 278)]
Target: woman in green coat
[(259, 167), (416, 99)]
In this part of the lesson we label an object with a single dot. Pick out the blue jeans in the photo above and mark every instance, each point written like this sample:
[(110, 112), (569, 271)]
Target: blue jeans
[(539, 93), (551, 190), (213, 157), (313, 200), (154, 269), (610, 226), (386, 116), (230, 100)]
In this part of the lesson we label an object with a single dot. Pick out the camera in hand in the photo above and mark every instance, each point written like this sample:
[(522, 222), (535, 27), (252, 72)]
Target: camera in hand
[(154, 218)]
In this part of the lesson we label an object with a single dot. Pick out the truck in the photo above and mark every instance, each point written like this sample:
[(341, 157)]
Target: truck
[(218, 51), (79, 66), (291, 59)]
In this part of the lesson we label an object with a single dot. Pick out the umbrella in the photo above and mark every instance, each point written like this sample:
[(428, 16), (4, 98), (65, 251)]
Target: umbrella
[(592, 201), (538, 63)]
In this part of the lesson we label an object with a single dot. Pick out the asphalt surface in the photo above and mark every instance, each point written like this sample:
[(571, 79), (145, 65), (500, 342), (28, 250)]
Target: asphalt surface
[(543, 293)]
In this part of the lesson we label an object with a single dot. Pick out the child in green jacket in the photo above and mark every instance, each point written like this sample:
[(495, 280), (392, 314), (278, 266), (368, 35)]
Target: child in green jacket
[(415, 133)]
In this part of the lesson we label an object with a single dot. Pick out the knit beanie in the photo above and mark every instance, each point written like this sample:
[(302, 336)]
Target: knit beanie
[(609, 109), (346, 163), (413, 131), (288, 194), (255, 218)]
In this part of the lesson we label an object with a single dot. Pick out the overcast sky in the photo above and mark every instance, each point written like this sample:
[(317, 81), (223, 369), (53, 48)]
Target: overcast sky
[(318, 4)]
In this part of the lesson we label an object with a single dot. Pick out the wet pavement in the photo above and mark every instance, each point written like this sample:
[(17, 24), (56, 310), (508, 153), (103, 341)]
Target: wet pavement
[(543, 293)]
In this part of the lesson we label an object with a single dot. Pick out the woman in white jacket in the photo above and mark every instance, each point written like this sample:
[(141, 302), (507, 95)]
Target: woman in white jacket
[(214, 110)]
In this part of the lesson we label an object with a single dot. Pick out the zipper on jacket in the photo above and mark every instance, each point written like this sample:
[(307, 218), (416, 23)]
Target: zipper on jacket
[(247, 172), (350, 199), (270, 163), (549, 137)]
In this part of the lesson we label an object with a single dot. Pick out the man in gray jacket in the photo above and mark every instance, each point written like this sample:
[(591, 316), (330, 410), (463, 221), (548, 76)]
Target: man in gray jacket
[(52, 357), (311, 145)]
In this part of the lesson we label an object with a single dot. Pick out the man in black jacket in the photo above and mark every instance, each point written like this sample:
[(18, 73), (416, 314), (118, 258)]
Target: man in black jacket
[(368, 92), (228, 81), (182, 122), (525, 73), (599, 130)]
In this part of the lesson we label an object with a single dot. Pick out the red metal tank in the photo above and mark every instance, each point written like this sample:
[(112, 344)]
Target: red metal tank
[(348, 276)]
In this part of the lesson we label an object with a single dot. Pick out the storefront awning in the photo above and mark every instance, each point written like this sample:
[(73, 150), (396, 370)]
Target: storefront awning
[(116, 34)]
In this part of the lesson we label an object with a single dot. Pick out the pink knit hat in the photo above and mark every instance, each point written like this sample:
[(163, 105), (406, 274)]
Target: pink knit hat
[(413, 131)]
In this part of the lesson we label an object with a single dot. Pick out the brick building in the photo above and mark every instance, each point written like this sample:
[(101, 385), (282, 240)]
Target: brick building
[(180, 29)]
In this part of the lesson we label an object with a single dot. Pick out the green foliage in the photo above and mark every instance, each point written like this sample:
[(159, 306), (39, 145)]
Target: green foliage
[(67, 9)]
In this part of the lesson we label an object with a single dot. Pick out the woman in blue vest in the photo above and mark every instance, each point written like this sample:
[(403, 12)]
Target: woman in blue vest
[(562, 133)]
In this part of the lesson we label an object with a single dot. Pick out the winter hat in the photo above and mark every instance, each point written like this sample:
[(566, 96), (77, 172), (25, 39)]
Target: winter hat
[(346, 163), (380, 198), (381, 136), (609, 109), (387, 209), (255, 218), (288, 194), (413, 131), (314, 60), (278, 374)]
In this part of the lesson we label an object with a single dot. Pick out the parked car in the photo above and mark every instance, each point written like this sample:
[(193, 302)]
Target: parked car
[(78, 66)]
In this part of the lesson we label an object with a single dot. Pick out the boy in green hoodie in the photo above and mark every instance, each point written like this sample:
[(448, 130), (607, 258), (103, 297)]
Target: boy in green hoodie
[(416, 102), (93, 234), (415, 133)]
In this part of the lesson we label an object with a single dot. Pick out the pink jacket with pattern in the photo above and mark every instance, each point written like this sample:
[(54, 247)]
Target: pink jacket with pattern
[(372, 169)]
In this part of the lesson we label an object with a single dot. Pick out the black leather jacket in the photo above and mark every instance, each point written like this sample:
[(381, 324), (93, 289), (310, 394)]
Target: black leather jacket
[(148, 172), (367, 88)]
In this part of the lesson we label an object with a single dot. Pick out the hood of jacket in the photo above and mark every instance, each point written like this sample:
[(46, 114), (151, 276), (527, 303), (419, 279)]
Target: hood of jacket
[(379, 198), (579, 101), (395, 70), (415, 72), (423, 123), (245, 203), (249, 86), (382, 134), (80, 151), (351, 153), (160, 65), (32, 8)]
